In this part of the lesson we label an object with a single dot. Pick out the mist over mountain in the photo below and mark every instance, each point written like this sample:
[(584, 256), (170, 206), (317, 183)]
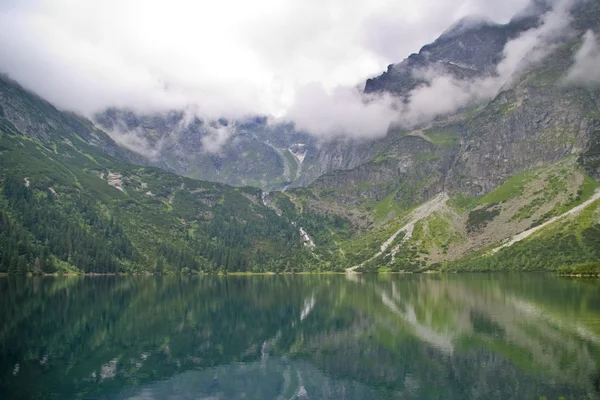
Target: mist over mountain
[(471, 62), (485, 136)]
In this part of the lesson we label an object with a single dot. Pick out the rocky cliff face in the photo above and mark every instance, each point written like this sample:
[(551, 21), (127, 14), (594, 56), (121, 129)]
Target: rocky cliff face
[(250, 152), (536, 119), (246, 152), (412, 169), (532, 124), (469, 49)]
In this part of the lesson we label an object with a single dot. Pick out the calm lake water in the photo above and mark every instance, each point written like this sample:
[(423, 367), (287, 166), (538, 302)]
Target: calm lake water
[(300, 337)]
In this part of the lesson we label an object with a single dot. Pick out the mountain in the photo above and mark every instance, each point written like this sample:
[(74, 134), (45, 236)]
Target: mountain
[(249, 152), (470, 48), (70, 203), (273, 156), (490, 162), (507, 181)]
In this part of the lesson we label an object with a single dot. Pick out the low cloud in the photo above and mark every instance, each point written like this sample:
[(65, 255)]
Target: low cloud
[(345, 111), (535, 44), (214, 134), (259, 60), (216, 138), (442, 95), (348, 113), (586, 69), (228, 58), (137, 142)]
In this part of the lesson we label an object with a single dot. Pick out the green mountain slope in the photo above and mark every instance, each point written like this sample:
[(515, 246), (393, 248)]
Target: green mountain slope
[(66, 205), (449, 195)]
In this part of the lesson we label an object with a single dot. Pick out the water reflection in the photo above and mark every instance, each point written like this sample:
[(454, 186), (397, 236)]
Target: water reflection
[(450, 337)]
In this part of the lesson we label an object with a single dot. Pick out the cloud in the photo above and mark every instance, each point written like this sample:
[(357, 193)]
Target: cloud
[(387, 32), (216, 138), (533, 45), (344, 111), (586, 69), (136, 141), (166, 130), (443, 94), (297, 59), (228, 58)]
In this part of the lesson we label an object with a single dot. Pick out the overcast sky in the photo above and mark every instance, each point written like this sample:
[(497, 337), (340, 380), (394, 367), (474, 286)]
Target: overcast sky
[(227, 57)]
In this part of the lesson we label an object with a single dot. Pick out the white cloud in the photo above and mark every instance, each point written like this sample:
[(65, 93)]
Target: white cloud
[(297, 59), (443, 94), (136, 141), (344, 111), (388, 32), (216, 138), (227, 58), (586, 69), (535, 44)]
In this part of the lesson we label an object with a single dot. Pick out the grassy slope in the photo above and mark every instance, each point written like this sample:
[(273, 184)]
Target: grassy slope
[(167, 218), (471, 226), (527, 200), (203, 218)]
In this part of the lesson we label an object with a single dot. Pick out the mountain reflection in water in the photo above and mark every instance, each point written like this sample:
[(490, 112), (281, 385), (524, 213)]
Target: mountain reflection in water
[(300, 337)]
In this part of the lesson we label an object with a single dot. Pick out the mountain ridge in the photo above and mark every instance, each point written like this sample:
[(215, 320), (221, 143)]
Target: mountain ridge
[(507, 164)]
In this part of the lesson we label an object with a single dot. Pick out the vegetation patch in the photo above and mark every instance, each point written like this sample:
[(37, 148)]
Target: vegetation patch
[(479, 218), (385, 207), (591, 269), (426, 156), (510, 189), (444, 137), (570, 244), (463, 203), (507, 108)]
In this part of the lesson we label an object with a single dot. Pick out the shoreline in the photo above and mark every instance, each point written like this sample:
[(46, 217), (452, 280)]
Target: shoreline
[(221, 274)]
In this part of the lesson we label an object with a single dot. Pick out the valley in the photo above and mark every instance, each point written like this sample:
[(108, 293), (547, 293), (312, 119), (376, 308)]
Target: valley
[(507, 181), (300, 200)]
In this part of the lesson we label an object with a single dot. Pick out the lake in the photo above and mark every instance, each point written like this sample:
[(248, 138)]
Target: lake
[(486, 336)]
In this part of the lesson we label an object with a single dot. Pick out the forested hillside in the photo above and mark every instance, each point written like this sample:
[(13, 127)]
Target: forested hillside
[(66, 206)]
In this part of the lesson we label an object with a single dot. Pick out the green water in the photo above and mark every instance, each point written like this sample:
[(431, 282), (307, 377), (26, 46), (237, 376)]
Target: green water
[(300, 337)]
